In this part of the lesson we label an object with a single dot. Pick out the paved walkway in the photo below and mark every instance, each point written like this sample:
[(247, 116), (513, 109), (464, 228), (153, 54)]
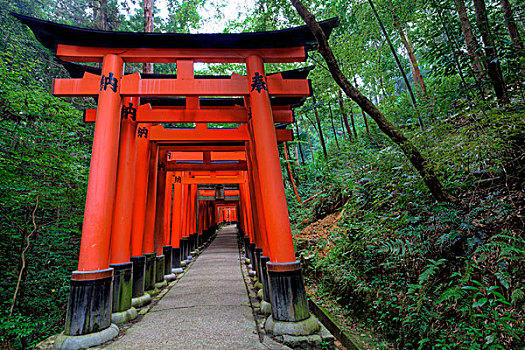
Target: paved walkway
[(207, 309)]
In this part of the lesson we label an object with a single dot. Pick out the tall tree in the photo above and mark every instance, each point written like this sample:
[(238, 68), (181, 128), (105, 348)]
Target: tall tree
[(493, 65), (399, 65), (290, 174), (100, 14), (514, 33), (414, 64), (297, 132), (148, 28), (319, 128), (333, 125), (470, 39), (345, 116), (421, 164)]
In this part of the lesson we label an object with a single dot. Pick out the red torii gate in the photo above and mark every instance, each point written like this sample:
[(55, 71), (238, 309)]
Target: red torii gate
[(115, 91)]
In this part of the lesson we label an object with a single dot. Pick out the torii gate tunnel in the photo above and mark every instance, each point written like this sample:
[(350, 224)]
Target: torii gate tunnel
[(156, 193)]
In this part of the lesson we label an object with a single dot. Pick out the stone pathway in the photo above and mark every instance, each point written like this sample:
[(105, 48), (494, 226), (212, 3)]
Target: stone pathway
[(207, 309)]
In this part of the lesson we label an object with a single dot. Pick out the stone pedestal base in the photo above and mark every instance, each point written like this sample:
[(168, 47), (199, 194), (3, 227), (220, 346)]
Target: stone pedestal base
[(150, 268), (67, 342), (89, 304), (175, 258), (159, 269), (166, 251), (124, 316), (139, 269), (184, 248), (287, 293), (122, 287), (304, 327)]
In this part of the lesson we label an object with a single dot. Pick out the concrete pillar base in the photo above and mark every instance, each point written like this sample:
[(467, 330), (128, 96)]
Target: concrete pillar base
[(153, 292), (260, 294), (141, 300), (124, 316), (266, 308), (158, 285), (305, 327), (170, 277), (74, 342)]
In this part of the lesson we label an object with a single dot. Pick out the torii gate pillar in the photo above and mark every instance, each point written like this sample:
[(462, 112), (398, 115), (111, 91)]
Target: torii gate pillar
[(287, 292), (86, 314)]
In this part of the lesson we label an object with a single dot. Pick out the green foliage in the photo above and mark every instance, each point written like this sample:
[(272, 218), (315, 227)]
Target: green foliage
[(44, 158)]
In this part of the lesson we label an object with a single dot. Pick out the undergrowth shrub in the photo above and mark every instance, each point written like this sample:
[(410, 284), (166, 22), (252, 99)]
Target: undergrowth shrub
[(422, 274)]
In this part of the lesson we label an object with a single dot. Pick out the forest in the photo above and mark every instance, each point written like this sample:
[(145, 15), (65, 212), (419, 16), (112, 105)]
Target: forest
[(405, 179)]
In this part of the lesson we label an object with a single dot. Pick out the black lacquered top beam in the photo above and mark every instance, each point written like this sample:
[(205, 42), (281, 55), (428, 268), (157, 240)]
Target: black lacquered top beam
[(51, 34)]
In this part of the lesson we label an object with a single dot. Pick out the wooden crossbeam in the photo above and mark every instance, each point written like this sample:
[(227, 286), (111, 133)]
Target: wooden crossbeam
[(175, 147), (199, 156), (133, 85), (147, 114), (169, 55), (217, 180), (201, 134), (172, 166)]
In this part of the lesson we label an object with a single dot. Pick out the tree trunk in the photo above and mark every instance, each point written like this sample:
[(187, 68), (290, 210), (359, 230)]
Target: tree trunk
[(511, 25), (414, 65), (342, 127), (310, 144), (412, 153), (148, 28), (333, 126), (290, 175), (345, 117), (300, 148), (493, 66), (99, 14), (454, 50), (396, 58), (363, 112), (319, 129), (513, 30), (470, 40)]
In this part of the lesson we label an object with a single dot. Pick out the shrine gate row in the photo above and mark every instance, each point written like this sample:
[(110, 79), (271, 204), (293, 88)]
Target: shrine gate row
[(155, 193)]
